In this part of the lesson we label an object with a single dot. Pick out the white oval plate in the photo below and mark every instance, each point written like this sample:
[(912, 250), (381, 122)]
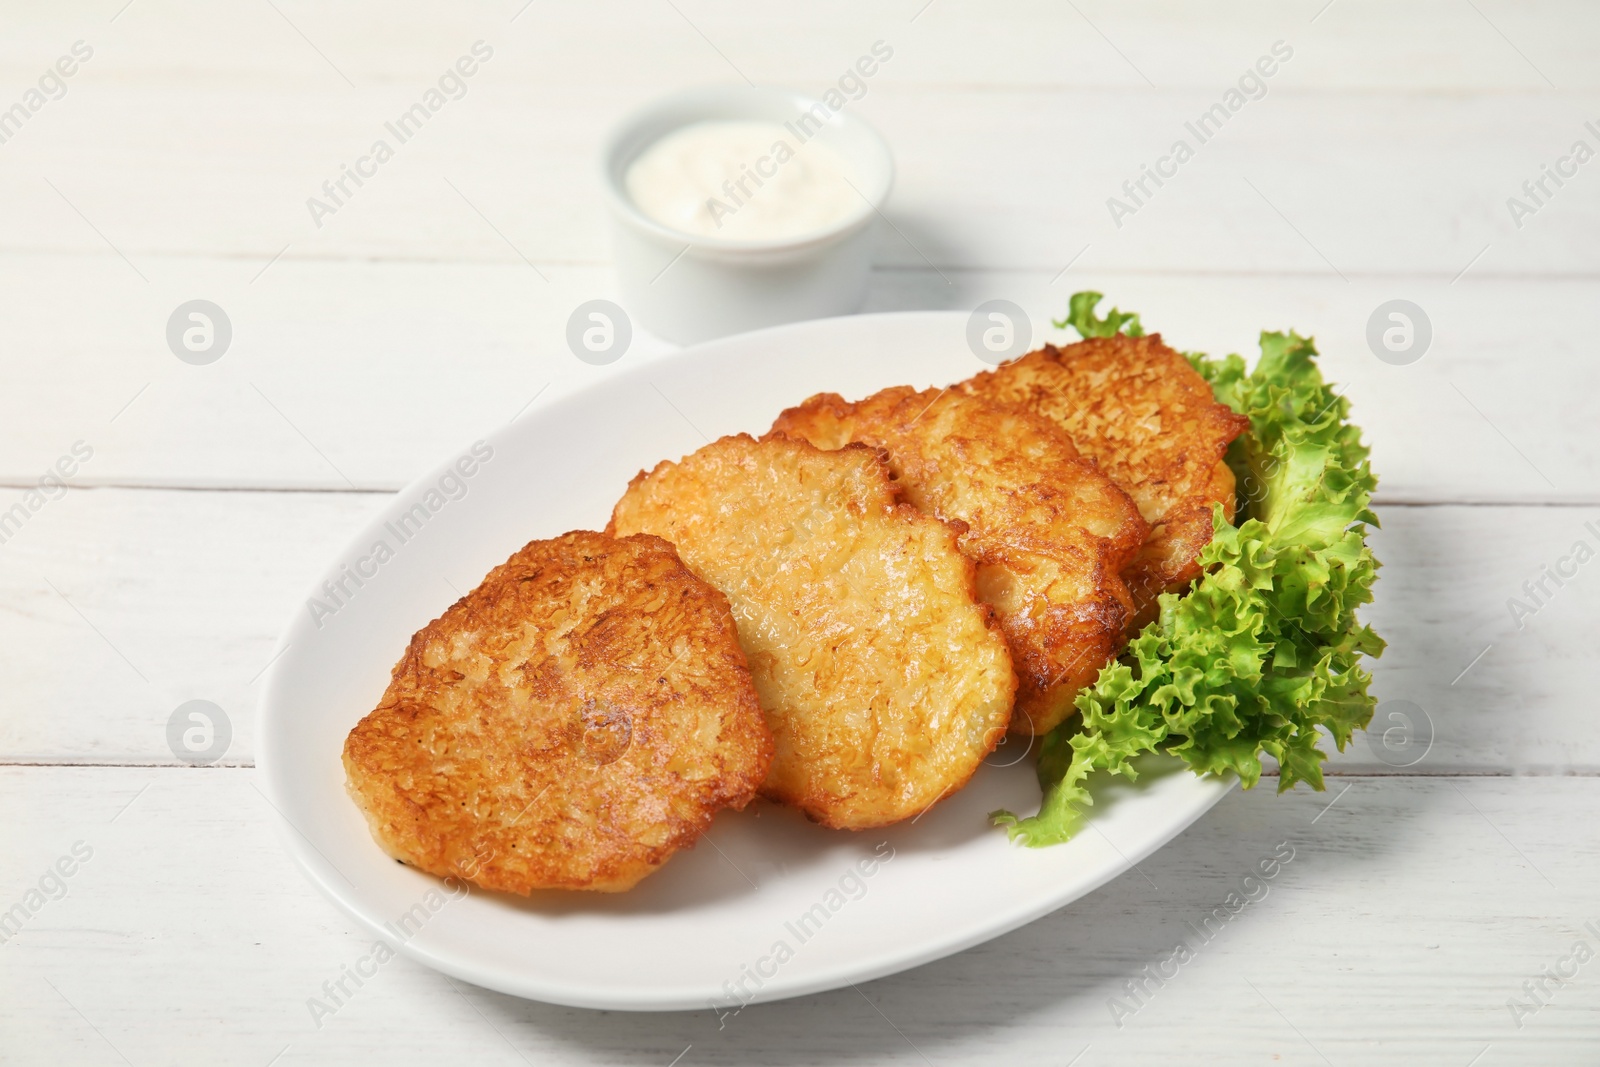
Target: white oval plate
[(768, 906)]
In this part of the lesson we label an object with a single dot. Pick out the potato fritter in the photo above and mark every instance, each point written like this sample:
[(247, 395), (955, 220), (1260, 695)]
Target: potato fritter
[(1140, 411), (568, 724), (1049, 532), (885, 682)]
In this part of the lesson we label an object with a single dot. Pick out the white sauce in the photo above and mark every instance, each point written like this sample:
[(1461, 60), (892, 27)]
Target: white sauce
[(746, 181)]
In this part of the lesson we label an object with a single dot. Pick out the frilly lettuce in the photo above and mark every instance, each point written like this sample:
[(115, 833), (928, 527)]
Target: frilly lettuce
[(1266, 648)]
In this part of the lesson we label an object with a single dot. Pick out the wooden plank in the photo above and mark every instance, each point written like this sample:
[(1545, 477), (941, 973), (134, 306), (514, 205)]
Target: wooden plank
[(1362, 136), (1323, 183), (182, 595), (361, 374), (85, 582), (1361, 44), (178, 166), (1411, 911)]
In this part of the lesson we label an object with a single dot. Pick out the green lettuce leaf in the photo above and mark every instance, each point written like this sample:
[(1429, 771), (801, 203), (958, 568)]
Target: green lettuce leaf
[(1081, 317), (1264, 653)]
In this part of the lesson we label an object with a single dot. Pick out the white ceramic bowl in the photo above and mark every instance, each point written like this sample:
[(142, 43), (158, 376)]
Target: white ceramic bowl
[(687, 288)]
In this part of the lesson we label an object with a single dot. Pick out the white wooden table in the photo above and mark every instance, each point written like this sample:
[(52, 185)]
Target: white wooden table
[(432, 304)]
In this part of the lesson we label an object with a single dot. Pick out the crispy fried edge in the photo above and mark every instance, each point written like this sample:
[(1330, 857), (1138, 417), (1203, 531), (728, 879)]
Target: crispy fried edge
[(894, 504), (1186, 527), (619, 872), (1043, 700)]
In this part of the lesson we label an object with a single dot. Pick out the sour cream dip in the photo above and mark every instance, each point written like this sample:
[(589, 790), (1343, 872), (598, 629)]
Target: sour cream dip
[(743, 181)]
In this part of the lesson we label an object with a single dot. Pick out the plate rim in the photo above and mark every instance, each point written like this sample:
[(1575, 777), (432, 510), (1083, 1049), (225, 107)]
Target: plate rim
[(325, 876)]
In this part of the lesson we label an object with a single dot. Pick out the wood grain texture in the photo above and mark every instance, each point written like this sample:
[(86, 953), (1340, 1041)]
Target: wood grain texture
[(188, 938), (432, 306), (353, 374), (1352, 183), (1424, 45), (161, 596)]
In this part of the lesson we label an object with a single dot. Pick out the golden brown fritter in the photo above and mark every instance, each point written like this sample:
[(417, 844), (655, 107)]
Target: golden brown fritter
[(1049, 532), (885, 682), (568, 724), (1140, 411)]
